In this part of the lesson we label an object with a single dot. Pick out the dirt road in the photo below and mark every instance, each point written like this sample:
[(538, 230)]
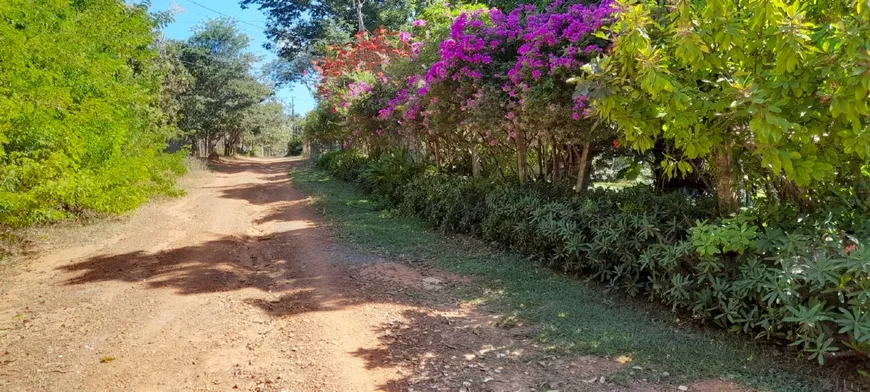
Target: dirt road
[(237, 286)]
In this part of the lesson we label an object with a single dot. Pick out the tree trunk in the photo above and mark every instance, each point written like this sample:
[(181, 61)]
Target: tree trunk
[(437, 152), (358, 4), (583, 169), (475, 162), (725, 179), (522, 161), (556, 163)]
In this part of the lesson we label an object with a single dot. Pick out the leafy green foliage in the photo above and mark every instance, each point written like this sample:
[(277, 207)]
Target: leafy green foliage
[(386, 177), (225, 101), (346, 166), (80, 122), (781, 86), (562, 313), (800, 277), (322, 126), (266, 126), (294, 146), (796, 281)]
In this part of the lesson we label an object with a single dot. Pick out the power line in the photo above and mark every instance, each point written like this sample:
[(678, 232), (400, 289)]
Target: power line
[(228, 16)]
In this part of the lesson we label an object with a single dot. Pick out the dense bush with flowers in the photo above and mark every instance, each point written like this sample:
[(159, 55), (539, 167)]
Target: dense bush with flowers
[(474, 88), (346, 76), (484, 98)]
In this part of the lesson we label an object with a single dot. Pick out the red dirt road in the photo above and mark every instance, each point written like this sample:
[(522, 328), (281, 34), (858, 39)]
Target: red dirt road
[(237, 286)]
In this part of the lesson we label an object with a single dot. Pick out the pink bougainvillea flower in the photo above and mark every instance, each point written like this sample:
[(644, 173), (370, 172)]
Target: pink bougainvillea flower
[(552, 42)]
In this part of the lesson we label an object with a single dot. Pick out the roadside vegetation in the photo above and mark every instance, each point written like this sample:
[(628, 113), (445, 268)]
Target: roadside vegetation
[(81, 126), (735, 132), (708, 156), (566, 315), (98, 110)]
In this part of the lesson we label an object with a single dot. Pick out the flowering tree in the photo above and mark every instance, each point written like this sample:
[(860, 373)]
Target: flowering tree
[(347, 74), (498, 85), (551, 45), (369, 53)]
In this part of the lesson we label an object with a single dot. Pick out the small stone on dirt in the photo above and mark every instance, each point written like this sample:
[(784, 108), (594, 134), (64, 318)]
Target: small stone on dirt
[(432, 283), (683, 388)]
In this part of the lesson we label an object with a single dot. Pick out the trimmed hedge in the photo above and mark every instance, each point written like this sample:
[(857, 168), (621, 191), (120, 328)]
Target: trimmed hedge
[(793, 281)]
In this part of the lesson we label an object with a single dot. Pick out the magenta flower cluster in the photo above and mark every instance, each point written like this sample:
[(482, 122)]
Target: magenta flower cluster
[(512, 50), (550, 41), (358, 89)]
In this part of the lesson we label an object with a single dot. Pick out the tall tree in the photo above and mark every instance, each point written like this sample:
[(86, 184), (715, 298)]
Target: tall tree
[(297, 27), (224, 90), (771, 94)]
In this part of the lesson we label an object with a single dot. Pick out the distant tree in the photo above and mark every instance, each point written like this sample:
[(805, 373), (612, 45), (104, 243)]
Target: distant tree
[(266, 127), (218, 104)]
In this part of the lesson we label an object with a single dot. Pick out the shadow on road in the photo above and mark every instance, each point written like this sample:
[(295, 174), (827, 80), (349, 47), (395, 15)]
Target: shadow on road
[(296, 266), (299, 270)]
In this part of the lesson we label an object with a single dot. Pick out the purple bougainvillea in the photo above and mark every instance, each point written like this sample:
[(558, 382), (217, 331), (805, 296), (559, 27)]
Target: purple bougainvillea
[(528, 43)]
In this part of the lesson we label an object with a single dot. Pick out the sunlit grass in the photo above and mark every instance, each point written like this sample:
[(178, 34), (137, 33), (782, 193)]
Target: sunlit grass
[(566, 314)]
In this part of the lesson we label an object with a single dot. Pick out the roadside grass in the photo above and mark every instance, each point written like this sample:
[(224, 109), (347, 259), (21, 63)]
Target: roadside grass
[(567, 315)]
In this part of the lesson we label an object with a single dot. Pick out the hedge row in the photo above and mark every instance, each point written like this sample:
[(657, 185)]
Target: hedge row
[(797, 282)]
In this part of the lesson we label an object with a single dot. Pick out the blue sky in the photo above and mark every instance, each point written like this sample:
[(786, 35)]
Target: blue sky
[(250, 21)]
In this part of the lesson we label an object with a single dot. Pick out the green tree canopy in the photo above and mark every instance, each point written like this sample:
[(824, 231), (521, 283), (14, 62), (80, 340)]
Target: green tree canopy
[(225, 94), (772, 93)]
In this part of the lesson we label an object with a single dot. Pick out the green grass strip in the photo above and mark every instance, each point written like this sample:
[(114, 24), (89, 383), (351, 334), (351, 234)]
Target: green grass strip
[(568, 315)]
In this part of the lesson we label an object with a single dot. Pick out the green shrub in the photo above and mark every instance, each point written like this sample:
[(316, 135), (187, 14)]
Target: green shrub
[(80, 126), (779, 274), (449, 202), (804, 280), (387, 176), (294, 146), (345, 165)]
